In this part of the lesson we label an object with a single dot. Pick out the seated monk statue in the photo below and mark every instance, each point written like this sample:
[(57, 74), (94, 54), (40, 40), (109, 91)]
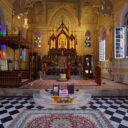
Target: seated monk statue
[(98, 74), (44, 70)]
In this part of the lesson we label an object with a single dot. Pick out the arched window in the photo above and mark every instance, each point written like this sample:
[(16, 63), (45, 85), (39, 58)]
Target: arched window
[(87, 39), (126, 25), (102, 46), (121, 39), (2, 24), (37, 40)]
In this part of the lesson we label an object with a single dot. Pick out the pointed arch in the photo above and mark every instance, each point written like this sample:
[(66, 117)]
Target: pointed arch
[(66, 11), (102, 44), (102, 33), (123, 13), (2, 21)]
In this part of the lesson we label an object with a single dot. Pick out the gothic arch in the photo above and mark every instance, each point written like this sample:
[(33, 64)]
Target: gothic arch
[(2, 20), (123, 13), (102, 33), (66, 11)]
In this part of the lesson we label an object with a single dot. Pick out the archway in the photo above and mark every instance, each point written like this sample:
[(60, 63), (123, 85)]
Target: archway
[(124, 23), (69, 18), (2, 23), (102, 45), (123, 14)]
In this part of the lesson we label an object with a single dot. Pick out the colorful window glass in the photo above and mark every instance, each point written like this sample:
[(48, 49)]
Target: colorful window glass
[(3, 48), (126, 26), (2, 30), (87, 39), (22, 54), (120, 42), (127, 40), (37, 40)]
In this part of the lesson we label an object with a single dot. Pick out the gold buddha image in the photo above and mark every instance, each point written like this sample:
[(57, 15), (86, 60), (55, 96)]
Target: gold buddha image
[(62, 41)]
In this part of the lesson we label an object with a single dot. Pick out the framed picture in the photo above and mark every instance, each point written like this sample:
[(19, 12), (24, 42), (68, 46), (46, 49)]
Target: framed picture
[(56, 89), (70, 89)]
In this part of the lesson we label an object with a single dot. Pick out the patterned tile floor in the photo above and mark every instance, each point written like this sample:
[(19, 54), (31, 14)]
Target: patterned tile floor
[(114, 108)]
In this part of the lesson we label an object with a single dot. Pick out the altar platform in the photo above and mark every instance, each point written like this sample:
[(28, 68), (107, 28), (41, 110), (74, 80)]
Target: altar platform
[(48, 84), (107, 88)]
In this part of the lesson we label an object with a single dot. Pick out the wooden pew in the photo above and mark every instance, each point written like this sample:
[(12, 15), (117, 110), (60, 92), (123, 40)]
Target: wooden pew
[(15, 78), (25, 76), (10, 79)]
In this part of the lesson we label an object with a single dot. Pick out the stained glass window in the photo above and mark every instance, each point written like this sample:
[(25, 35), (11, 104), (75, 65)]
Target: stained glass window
[(22, 54), (127, 40), (37, 40), (121, 39), (2, 30), (126, 26), (87, 39), (3, 48), (120, 42)]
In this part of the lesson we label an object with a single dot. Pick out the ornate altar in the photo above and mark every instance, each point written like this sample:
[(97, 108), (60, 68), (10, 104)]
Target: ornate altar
[(62, 49), (62, 52), (62, 39)]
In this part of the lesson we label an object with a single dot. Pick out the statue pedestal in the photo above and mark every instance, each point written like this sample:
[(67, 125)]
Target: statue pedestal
[(64, 100), (62, 77), (43, 98)]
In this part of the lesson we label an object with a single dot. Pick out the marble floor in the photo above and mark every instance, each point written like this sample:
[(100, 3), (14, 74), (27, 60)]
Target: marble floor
[(115, 108), (111, 98), (79, 83)]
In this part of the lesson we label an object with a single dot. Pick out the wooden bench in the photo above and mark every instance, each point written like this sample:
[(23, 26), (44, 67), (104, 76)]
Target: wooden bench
[(14, 78), (25, 75), (10, 79)]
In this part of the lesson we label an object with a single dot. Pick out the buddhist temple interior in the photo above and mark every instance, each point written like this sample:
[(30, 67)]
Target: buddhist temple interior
[(64, 45)]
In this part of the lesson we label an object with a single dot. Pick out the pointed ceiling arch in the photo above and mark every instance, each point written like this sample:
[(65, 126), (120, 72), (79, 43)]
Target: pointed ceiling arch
[(123, 14), (67, 13), (2, 22), (102, 33)]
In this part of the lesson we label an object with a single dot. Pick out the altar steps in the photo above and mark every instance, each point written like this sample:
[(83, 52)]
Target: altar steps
[(108, 88)]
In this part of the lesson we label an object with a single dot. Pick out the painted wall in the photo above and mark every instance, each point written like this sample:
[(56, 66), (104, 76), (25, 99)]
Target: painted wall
[(44, 16), (6, 8), (81, 19), (114, 69)]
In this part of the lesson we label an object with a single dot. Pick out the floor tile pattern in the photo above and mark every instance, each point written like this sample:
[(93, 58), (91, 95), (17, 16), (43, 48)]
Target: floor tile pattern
[(114, 108)]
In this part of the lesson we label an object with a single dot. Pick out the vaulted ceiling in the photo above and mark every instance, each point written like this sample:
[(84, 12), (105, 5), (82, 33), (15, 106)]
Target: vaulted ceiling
[(105, 6)]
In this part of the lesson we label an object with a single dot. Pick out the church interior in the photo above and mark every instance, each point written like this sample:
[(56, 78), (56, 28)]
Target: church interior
[(57, 49)]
